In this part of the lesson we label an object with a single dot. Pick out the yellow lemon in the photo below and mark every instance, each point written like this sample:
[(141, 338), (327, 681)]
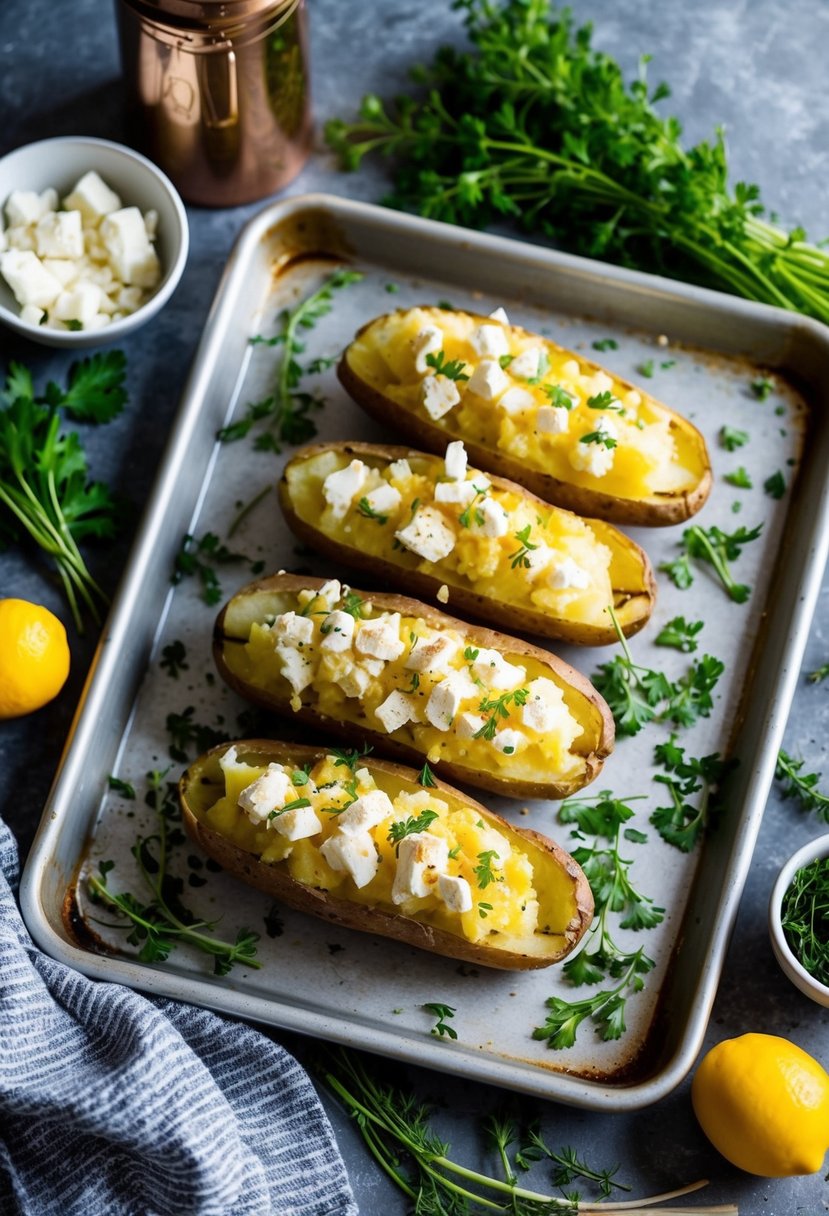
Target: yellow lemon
[(34, 657), (764, 1104)]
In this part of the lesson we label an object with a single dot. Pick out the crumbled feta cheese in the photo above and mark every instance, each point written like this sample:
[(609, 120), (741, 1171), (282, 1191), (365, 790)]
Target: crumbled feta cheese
[(600, 383), (495, 671), (428, 535), (330, 591), (290, 629), (30, 283), (428, 342), (442, 594), (365, 813), (606, 426), (489, 340), (374, 667), (455, 892), (439, 395), (383, 498), (568, 574), (298, 823), (80, 303), (570, 369), (421, 860), (93, 198), (495, 517), (526, 364), (339, 489), (499, 314), (544, 706), (633, 399), (552, 419), (297, 670), (592, 458), (446, 698), (22, 238), (488, 381), (337, 631), (467, 724), (131, 255), (459, 492), (354, 681), (267, 793), (31, 314), (380, 638), (432, 654), (353, 855), (59, 234), (455, 461), (508, 741), (395, 711), (400, 470), (24, 207), (538, 559), (516, 401), (66, 272)]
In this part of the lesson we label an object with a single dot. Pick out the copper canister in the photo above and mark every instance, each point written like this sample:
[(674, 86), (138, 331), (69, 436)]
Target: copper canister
[(218, 93)]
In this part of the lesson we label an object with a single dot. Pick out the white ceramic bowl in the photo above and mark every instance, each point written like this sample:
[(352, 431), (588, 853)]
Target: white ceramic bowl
[(795, 971), (60, 163)]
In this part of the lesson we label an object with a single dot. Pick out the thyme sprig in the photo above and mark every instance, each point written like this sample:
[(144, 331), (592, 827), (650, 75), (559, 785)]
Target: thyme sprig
[(800, 785)]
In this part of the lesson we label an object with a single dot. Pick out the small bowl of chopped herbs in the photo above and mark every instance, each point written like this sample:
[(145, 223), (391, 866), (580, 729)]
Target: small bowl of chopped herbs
[(799, 919)]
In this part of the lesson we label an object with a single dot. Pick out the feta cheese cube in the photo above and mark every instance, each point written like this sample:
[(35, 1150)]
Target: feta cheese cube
[(499, 314), (447, 697), (496, 518), (455, 892), (508, 741), (427, 342), (374, 667), (494, 671), (421, 860), (570, 369), (330, 591), (428, 535), (526, 365), (290, 629), (354, 681), (455, 461), (92, 197), (459, 492), (80, 303), (30, 283), (380, 638), (467, 724), (18, 237), (592, 458), (488, 381), (600, 383), (298, 823), (131, 255), (366, 813), (538, 559), (567, 575), (24, 207), (395, 711), (30, 314), (552, 419), (59, 234), (353, 855), (337, 631), (439, 395), (433, 653), (297, 670), (129, 299), (340, 489), (544, 707), (516, 401), (99, 321), (400, 470), (383, 498), (66, 271), (267, 793), (489, 340), (150, 223)]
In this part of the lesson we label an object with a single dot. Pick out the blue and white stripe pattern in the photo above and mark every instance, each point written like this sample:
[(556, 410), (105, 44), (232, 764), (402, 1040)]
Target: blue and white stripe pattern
[(115, 1105)]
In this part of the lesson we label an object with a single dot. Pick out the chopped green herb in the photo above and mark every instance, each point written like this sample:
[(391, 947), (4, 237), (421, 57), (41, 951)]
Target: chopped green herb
[(484, 910), (453, 370), (739, 478), (174, 659), (505, 360), (295, 805), (401, 828), (392, 289), (680, 634), (183, 730), (717, 548), (605, 344), (521, 557), (558, 396), (426, 778), (775, 486), (646, 369), (805, 918), (471, 654), (483, 871), (603, 401), (442, 1013), (762, 388), (815, 677), (667, 364), (682, 823), (498, 709), (601, 437), (198, 556), (121, 787), (802, 786), (365, 508), (349, 757)]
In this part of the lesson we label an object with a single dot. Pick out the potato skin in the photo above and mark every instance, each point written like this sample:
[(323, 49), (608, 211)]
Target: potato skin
[(478, 635), (660, 510), (279, 885), (633, 608)]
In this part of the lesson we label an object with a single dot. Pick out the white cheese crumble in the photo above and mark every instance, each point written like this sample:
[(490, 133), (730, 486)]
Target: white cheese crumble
[(499, 314), (526, 364), (456, 461), (489, 340), (427, 342), (495, 671), (353, 855), (395, 711), (337, 630), (439, 395), (516, 401), (428, 535), (495, 517), (340, 488), (380, 638), (488, 381), (421, 860), (446, 697), (383, 499), (568, 574), (432, 654), (552, 419), (455, 892), (364, 813), (267, 793)]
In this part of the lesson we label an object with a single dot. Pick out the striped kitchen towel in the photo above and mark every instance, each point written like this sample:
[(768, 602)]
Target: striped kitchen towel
[(115, 1105)]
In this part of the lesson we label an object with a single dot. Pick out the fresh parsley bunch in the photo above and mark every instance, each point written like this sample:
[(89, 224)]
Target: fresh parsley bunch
[(45, 491)]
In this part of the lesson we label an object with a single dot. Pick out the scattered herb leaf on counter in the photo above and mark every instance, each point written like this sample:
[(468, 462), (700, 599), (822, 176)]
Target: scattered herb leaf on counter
[(602, 344), (715, 548), (731, 438), (646, 369), (815, 677), (682, 823), (426, 777), (680, 634), (197, 556), (163, 922), (740, 478), (606, 1009), (442, 1013), (691, 696), (762, 388), (803, 786), (805, 918), (532, 123), (184, 730), (775, 486), (174, 659), (289, 410), (121, 787), (44, 488)]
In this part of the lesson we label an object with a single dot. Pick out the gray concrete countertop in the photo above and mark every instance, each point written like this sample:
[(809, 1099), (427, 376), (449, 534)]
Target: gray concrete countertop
[(758, 69)]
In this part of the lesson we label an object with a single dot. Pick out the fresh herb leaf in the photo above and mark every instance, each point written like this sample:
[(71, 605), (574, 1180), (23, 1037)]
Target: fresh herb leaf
[(800, 785), (197, 557), (775, 486), (558, 396), (365, 508), (804, 917), (633, 693), (295, 805), (603, 401), (426, 778), (599, 437), (483, 871), (646, 369), (740, 478), (400, 828), (683, 822), (484, 910), (521, 557), (715, 548), (174, 659), (453, 370), (184, 730), (762, 388), (815, 677), (691, 695), (349, 757), (731, 439), (603, 344), (498, 709), (442, 1013), (680, 634), (121, 787)]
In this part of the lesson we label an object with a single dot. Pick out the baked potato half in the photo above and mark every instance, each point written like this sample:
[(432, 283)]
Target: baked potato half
[(361, 843), (528, 409), (422, 521), (482, 707)]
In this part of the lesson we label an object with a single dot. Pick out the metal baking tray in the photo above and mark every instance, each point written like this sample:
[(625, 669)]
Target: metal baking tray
[(368, 992)]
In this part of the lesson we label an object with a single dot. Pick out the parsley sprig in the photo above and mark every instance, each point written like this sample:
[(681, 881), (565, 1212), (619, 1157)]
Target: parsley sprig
[(443, 1013), (800, 785), (45, 491), (453, 369), (498, 709), (715, 548), (162, 922), (521, 556), (680, 634), (198, 557), (805, 917), (401, 828), (683, 821)]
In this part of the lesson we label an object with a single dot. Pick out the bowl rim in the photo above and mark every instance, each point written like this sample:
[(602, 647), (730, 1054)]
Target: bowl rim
[(172, 273), (813, 850)]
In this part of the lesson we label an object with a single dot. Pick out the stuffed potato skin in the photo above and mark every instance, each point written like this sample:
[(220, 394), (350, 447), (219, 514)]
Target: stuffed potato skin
[(367, 378), (278, 594), (566, 899), (632, 588)]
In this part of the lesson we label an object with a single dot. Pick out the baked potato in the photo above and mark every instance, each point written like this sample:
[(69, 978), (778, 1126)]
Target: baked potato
[(529, 410), (363, 844), (506, 556), (392, 672)]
